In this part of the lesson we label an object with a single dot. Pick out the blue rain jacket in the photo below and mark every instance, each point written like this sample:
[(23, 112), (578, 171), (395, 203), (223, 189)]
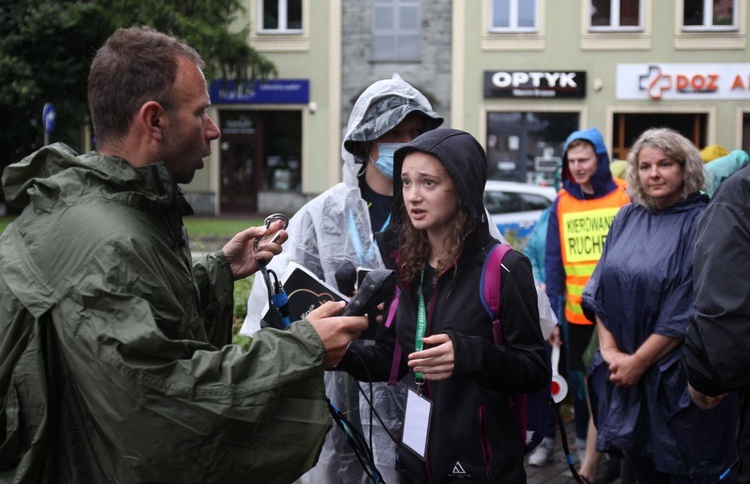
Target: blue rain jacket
[(643, 285)]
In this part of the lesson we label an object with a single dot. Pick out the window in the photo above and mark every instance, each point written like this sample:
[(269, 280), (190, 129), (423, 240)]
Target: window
[(615, 15), (711, 24), (498, 201), (617, 24), (527, 146), (709, 14), (501, 202), (535, 202), (396, 30), (628, 126), (281, 16), (261, 151), (513, 15), (514, 25)]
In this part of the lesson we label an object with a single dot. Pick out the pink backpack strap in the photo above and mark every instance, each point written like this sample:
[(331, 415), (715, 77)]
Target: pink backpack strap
[(491, 285), (392, 308), (529, 415), (397, 351)]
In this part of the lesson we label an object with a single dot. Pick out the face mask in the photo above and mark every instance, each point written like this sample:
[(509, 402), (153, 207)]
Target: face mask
[(384, 163)]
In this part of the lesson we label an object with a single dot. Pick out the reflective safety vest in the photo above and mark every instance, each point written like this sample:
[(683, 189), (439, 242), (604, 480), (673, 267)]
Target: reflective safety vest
[(583, 226)]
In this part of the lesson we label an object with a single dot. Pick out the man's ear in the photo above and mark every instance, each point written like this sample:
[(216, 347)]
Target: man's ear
[(152, 119)]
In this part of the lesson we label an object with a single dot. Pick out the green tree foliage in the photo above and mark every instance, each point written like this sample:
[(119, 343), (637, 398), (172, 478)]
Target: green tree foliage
[(46, 48)]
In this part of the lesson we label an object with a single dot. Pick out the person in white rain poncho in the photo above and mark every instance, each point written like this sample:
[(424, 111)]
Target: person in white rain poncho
[(335, 231)]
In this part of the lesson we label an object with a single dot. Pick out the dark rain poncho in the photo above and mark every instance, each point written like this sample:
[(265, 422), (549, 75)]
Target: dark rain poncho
[(114, 357), (643, 285)]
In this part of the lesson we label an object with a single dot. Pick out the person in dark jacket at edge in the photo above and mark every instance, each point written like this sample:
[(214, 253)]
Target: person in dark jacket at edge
[(115, 345), (642, 296), (716, 353), (438, 242)]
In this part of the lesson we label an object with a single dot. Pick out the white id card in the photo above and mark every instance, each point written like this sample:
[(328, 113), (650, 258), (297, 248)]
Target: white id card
[(416, 422)]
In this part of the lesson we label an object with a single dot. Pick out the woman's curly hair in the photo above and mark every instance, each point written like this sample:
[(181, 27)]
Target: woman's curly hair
[(675, 146), (415, 247)]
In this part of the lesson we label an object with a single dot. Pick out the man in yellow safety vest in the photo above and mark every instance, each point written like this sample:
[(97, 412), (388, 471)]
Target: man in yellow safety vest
[(578, 224)]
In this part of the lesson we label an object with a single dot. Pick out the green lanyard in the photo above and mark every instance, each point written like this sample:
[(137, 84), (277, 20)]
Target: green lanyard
[(421, 329)]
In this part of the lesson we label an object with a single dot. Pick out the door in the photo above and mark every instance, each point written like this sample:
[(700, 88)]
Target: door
[(241, 155)]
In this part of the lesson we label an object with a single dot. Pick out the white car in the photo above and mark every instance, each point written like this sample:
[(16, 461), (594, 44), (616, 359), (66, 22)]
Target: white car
[(516, 207)]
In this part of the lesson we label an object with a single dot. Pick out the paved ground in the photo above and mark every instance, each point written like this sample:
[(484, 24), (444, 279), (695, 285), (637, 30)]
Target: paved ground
[(556, 472)]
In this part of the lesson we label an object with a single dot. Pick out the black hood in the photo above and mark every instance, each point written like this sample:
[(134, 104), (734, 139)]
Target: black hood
[(464, 159)]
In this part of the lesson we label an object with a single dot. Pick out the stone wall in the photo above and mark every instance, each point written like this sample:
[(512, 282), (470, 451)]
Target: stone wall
[(431, 75)]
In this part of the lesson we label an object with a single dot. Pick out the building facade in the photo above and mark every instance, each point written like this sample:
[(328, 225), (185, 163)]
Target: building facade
[(409, 37), (526, 73), (520, 75), (280, 139)]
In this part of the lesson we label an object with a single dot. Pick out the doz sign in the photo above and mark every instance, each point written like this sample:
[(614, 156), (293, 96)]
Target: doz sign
[(683, 81), (544, 84)]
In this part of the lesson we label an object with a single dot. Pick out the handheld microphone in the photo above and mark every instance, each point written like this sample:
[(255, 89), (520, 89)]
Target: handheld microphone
[(281, 302), (346, 277), (378, 285)]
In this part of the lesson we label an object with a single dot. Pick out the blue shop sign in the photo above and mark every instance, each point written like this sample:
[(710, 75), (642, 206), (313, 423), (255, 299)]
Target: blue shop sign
[(272, 91)]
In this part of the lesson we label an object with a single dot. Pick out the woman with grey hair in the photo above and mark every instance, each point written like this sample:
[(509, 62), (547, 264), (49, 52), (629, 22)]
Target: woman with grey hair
[(641, 294)]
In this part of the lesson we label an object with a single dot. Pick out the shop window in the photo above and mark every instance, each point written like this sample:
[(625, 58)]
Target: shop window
[(260, 151), (396, 30), (283, 151), (281, 16), (615, 15), (746, 132), (709, 15), (513, 16), (627, 127), (527, 146)]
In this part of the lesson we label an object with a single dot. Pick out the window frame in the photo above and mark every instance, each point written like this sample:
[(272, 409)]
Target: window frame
[(711, 39), (283, 19), (501, 107), (708, 16), (396, 32), (513, 18), (615, 15)]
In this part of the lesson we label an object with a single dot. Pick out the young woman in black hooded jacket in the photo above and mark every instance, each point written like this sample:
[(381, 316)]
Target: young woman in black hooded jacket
[(438, 242)]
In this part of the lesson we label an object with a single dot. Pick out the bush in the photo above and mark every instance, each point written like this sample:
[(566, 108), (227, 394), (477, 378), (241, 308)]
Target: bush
[(241, 292)]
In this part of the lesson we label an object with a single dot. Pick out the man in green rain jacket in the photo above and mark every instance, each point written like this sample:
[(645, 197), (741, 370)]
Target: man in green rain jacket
[(115, 362)]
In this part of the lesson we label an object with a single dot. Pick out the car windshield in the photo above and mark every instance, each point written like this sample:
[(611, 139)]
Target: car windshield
[(509, 202), (502, 202)]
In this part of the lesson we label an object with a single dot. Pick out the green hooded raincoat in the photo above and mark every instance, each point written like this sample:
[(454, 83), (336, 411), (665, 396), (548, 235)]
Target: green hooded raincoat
[(115, 362)]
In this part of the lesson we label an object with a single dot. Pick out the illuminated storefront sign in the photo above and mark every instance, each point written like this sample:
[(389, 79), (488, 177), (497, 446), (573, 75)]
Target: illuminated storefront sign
[(683, 81), (271, 91), (535, 84)]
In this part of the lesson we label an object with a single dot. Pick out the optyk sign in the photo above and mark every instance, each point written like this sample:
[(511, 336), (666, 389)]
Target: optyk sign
[(545, 84)]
